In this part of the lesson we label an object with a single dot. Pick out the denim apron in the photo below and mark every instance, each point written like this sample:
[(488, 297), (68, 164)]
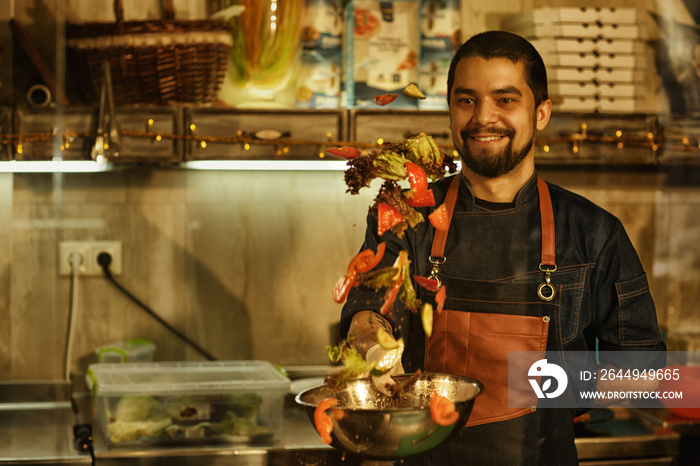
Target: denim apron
[(481, 323)]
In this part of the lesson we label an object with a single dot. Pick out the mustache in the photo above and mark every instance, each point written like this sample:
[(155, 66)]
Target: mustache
[(469, 132)]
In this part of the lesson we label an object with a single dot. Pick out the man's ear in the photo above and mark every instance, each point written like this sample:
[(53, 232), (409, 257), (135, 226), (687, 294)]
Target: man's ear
[(543, 112)]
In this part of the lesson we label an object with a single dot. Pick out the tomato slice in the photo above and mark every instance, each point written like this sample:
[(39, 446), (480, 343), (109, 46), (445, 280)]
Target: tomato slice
[(429, 284), (342, 288), (388, 216), (345, 152), (361, 257), (442, 410), (440, 299), (439, 218), (366, 260), (389, 298), (417, 178), (384, 99), (322, 421), (424, 200)]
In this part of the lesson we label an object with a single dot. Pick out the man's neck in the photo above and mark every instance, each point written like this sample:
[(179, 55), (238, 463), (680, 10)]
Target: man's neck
[(503, 188)]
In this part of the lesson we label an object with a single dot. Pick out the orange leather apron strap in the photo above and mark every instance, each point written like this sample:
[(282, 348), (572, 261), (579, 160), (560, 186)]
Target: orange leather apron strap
[(546, 217), (440, 238)]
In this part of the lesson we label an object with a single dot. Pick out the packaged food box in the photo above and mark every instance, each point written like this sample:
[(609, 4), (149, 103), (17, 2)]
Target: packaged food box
[(318, 80), (594, 60), (590, 45), (440, 24), (599, 104), (592, 89), (322, 25), (575, 15), (235, 402), (432, 78), (596, 74), (580, 30), (380, 52)]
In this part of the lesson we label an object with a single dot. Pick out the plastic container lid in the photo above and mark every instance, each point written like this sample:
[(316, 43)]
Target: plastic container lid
[(134, 350), (183, 378)]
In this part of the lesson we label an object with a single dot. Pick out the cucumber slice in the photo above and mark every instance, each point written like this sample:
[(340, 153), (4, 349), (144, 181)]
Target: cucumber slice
[(426, 314), (386, 340)]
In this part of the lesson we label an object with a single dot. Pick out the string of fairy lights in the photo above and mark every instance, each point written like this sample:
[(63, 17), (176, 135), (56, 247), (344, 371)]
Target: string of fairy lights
[(654, 142)]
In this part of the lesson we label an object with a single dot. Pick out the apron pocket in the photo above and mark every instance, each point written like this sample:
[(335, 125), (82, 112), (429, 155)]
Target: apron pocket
[(476, 344)]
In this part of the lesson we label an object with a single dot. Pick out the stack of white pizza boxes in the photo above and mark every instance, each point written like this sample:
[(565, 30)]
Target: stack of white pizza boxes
[(596, 58)]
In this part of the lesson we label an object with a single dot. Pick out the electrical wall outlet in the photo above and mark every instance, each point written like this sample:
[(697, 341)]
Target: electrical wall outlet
[(89, 251)]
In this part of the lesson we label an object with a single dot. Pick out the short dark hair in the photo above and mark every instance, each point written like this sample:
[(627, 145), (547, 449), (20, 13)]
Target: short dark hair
[(502, 44)]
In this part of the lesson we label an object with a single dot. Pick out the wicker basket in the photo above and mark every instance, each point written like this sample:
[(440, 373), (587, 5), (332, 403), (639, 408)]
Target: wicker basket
[(152, 62)]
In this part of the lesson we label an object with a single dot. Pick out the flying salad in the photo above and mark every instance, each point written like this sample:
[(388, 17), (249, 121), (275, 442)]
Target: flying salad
[(417, 160)]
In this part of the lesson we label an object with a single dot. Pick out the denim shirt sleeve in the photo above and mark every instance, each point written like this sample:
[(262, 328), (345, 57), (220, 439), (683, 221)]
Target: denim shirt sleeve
[(625, 311)]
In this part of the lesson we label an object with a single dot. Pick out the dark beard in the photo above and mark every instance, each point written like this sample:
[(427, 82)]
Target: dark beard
[(493, 166)]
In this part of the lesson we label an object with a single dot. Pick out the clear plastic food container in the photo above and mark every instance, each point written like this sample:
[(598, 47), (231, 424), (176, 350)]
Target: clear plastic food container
[(155, 403)]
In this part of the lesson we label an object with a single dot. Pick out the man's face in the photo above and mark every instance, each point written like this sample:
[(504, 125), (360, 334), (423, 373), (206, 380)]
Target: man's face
[(492, 115)]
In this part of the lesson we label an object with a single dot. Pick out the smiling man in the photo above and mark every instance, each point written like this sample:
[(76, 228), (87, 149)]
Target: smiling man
[(498, 101), (527, 265)]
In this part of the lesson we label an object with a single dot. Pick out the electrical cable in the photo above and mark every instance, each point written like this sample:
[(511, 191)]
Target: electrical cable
[(82, 435), (104, 259), (75, 260)]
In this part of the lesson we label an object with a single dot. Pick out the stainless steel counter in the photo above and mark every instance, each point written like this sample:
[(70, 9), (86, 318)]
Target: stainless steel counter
[(37, 418), (36, 424), (36, 427), (626, 439), (689, 430)]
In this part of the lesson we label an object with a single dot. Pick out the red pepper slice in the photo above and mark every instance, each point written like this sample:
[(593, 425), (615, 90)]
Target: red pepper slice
[(384, 99), (322, 421), (342, 288), (345, 152), (439, 218), (388, 216), (366, 260), (417, 178), (389, 298), (442, 410), (429, 284), (424, 200), (440, 299)]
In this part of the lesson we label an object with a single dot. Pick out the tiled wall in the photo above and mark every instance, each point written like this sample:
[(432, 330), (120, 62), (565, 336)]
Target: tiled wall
[(244, 262)]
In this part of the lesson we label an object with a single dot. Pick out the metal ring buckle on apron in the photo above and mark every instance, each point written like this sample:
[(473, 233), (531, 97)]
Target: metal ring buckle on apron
[(547, 284), (435, 270)]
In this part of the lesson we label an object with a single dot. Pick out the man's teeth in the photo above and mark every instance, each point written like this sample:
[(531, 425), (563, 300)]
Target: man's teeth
[(487, 138)]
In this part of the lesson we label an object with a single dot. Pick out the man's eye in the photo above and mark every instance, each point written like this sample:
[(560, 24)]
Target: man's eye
[(507, 100)]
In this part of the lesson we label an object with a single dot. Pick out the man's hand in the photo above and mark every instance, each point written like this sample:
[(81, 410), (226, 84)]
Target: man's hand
[(363, 330), (363, 334), (388, 361)]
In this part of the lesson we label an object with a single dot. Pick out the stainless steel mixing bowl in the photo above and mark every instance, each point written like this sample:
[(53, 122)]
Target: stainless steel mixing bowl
[(373, 426)]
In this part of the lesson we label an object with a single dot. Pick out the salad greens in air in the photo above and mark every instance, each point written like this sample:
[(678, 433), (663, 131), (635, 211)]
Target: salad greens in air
[(389, 161), (145, 418), (418, 160)]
